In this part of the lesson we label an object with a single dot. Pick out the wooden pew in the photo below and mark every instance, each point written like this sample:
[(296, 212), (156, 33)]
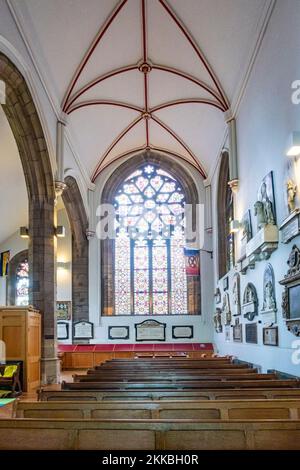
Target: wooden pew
[(70, 434), (208, 394), (177, 367), (203, 384), (222, 409), (170, 372), (146, 378)]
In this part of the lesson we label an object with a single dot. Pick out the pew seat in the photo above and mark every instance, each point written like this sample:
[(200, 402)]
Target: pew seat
[(122, 434), (222, 409)]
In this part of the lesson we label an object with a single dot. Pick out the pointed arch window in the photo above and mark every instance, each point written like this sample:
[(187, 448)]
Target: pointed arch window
[(149, 274), (225, 216)]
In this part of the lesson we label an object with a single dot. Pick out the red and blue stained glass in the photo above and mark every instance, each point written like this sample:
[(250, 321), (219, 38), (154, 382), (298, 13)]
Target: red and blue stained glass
[(150, 276)]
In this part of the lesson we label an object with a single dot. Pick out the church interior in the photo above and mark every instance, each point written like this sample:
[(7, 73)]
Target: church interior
[(150, 265)]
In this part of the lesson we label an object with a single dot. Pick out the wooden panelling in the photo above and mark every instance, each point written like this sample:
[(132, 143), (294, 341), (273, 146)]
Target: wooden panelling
[(20, 329)]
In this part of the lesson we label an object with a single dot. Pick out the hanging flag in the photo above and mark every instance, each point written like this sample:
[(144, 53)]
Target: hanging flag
[(5, 255), (192, 262)]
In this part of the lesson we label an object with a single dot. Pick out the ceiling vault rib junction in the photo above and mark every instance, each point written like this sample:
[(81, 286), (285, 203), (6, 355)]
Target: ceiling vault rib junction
[(71, 104)]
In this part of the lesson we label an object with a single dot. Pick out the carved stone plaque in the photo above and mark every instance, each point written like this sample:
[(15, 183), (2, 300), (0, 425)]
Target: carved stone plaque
[(83, 330), (150, 330), (182, 332)]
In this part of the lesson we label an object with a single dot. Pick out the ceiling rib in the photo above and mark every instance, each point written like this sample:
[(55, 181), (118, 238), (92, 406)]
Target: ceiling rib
[(69, 103), (84, 104), (180, 141), (91, 49), (142, 149), (185, 101), (97, 80), (120, 137), (197, 50)]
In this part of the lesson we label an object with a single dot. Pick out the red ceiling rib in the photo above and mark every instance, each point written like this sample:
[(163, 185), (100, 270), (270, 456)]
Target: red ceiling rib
[(198, 82), (185, 101), (97, 80), (180, 141), (84, 104), (92, 48), (120, 137), (144, 30), (196, 48), (142, 149)]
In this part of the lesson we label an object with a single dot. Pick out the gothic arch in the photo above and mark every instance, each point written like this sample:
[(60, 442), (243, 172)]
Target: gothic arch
[(224, 192), (80, 249), (107, 245), (24, 121)]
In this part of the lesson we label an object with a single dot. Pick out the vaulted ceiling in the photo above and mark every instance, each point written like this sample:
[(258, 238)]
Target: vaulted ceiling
[(136, 74)]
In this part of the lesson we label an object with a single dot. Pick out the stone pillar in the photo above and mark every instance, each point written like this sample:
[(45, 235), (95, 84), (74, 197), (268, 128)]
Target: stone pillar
[(233, 163), (80, 278), (41, 256)]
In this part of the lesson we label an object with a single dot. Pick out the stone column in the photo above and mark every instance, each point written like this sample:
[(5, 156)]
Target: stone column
[(233, 163), (41, 254), (80, 278)]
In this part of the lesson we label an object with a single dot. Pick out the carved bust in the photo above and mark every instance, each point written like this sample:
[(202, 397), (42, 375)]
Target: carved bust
[(291, 194)]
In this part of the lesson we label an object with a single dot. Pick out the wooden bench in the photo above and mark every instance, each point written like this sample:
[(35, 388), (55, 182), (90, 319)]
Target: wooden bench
[(226, 410), (208, 394), (169, 379), (70, 434), (203, 384)]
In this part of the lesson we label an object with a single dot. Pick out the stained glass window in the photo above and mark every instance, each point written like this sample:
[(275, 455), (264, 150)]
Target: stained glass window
[(150, 276), (22, 284)]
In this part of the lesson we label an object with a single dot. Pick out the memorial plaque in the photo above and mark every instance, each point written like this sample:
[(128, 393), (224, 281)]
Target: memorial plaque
[(150, 330), (181, 332), (251, 333), (118, 332), (270, 336), (238, 332), (227, 333), (290, 227), (83, 330), (62, 330)]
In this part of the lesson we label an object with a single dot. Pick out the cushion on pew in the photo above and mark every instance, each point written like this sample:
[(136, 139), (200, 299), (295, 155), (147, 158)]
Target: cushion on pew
[(9, 371)]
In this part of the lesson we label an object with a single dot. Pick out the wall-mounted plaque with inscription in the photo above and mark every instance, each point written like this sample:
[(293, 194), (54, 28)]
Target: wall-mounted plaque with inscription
[(251, 333), (83, 330), (118, 332), (270, 336), (150, 330), (181, 332), (62, 330)]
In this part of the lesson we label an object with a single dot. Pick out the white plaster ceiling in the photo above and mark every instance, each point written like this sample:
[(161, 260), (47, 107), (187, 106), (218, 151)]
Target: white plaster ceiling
[(14, 200), (178, 38)]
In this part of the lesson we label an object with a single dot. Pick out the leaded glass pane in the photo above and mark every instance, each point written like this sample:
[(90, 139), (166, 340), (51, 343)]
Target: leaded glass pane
[(22, 284)]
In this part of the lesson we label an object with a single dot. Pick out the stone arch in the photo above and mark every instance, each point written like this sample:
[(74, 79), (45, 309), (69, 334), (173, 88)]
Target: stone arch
[(24, 121), (223, 228), (107, 246), (80, 249), (12, 276)]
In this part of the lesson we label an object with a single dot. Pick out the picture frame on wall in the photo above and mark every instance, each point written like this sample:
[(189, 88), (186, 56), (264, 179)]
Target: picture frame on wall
[(238, 332), (270, 336), (63, 310)]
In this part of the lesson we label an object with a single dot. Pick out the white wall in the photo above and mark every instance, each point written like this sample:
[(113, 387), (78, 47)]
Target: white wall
[(64, 259), (266, 117)]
